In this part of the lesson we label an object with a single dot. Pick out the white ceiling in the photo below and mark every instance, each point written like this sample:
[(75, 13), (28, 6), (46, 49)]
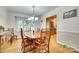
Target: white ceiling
[(39, 10)]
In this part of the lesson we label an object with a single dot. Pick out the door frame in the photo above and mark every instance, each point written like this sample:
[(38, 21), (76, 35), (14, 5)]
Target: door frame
[(47, 18)]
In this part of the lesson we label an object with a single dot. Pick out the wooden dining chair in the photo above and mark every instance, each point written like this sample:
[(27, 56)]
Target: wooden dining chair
[(42, 43), (26, 42), (45, 40), (10, 35), (1, 36), (36, 46), (48, 37)]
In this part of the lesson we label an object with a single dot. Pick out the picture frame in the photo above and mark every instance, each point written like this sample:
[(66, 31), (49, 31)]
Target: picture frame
[(70, 14)]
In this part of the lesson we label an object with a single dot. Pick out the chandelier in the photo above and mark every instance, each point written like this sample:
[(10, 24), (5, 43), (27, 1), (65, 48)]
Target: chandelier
[(34, 18)]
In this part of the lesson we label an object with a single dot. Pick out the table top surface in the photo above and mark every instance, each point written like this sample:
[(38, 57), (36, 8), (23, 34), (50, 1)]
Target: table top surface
[(31, 35)]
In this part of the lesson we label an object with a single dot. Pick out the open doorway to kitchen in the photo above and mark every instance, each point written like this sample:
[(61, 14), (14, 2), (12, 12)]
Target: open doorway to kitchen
[(51, 24)]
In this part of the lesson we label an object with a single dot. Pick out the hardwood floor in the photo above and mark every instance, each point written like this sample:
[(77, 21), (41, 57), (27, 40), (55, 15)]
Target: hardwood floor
[(57, 48), (54, 47), (14, 48)]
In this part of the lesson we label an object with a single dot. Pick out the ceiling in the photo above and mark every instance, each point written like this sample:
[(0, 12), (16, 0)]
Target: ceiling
[(39, 10)]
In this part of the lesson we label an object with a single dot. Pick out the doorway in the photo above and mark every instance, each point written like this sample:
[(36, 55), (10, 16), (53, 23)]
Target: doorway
[(51, 23)]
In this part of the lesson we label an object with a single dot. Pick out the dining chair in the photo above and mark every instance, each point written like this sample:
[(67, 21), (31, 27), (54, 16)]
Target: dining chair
[(1, 36), (26, 42), (13, 33), (45, 40), (10, 35), (42, 43), (36, 46)]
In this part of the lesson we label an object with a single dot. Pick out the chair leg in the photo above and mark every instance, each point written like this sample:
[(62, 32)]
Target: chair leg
[(23, 49)]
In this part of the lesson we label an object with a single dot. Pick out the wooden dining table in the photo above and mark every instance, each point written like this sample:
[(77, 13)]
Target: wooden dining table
[(32, 36)]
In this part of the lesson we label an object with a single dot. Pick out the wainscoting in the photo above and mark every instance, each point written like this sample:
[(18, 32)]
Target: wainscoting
[(69, 39)]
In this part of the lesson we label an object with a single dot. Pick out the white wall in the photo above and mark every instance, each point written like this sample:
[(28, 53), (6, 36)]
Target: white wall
[(3, 16), (65, 27), (68, 24), (12, 21)]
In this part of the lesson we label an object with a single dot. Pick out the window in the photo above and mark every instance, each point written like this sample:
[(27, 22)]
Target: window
[(24, 23), (20, 24)]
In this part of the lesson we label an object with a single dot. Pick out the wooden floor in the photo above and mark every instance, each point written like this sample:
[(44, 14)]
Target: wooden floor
[(14, 48), (54, 47), (57, 48)]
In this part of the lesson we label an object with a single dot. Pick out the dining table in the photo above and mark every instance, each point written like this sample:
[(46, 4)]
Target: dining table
[(32, 36)]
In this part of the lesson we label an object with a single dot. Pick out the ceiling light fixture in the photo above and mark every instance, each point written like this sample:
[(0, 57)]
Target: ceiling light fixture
[(34, 18)]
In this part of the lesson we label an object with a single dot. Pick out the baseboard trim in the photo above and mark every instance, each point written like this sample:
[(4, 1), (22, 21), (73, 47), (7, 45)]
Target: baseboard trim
[(68, 46)]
